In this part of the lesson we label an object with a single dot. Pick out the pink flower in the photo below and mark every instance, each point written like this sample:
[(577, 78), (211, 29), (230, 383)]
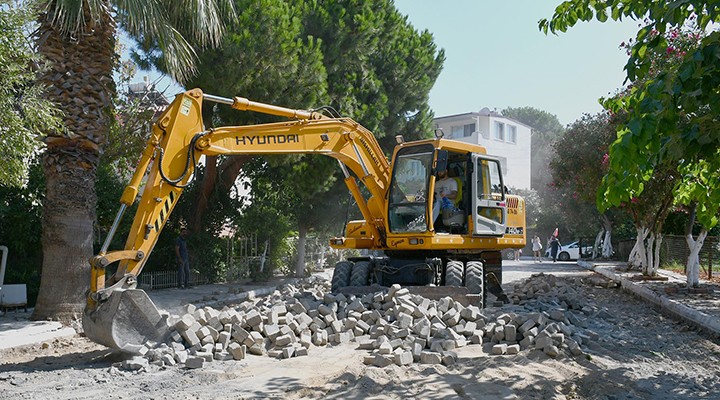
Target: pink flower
[(606, 159), (634, 200), (669, 50)]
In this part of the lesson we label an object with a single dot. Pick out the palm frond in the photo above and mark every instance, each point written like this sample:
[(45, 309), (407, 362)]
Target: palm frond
[(70, 15)]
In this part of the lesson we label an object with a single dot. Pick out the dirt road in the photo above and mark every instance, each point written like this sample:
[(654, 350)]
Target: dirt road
[(638, 354)]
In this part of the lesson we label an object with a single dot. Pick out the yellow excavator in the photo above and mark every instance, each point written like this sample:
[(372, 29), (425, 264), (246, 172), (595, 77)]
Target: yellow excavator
[(441, 242)]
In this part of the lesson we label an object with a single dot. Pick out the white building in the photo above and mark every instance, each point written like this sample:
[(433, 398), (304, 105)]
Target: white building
[(503, 137)]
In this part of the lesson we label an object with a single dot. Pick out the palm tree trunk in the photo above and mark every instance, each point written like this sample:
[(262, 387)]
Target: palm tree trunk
[(79, 80)]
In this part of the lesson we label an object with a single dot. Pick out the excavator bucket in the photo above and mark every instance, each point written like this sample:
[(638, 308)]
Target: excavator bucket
[(126, 321)]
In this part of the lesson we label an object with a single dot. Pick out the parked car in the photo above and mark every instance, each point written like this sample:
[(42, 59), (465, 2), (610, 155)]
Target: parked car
[(569, 251)]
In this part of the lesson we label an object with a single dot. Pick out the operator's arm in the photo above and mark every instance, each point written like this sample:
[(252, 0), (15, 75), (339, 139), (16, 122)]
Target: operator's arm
[(449, 189)]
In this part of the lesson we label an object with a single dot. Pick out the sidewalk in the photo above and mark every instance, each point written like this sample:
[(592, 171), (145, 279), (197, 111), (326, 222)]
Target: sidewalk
[(699, 307)]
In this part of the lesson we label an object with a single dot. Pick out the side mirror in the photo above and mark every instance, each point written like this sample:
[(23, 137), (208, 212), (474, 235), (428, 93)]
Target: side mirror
[(441, 161)]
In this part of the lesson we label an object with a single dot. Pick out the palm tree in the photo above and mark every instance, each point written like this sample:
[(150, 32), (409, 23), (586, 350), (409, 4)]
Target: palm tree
[(78, 39)]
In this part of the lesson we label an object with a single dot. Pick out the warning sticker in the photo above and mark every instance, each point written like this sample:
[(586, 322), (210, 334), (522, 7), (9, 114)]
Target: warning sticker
[(185, 107)]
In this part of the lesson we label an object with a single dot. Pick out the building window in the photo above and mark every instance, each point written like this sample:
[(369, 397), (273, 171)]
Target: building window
[(499, 131), (456, 131), (460, 131), (468, 130), (512, 134)]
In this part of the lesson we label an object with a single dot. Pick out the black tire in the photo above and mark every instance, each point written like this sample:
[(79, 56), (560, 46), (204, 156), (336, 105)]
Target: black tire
[(475, 277), (341, 275), (360, 275), (454, 273), (564, 256)]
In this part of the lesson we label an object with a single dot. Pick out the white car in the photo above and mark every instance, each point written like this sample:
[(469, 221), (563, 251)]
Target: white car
[(569, 251)]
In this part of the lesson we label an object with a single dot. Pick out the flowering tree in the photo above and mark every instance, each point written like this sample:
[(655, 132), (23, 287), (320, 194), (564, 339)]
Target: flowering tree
[(580, 163), (671, 104)]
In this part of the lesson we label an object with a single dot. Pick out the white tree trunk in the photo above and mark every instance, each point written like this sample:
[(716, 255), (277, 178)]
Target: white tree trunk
[(596, 246), (300, 262), (648, 266), (693, 261), (637, 256), (654, 246), (607, 250)]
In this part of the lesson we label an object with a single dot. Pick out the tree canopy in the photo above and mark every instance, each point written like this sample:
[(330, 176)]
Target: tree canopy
[(361, 58), (24, 112)]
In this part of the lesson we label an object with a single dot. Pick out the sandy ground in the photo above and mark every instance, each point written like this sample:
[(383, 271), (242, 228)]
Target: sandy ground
[(640, 355)]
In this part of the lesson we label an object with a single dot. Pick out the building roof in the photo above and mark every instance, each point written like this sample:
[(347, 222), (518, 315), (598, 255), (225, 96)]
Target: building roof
[(484, 112)]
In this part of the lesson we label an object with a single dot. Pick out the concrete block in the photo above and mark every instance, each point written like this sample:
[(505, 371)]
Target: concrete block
[(527, 342), (194, 362), (271, 331), (224, 339), (542, 342), (190, 337), (513, 349), (510, 333), (284, 340), (275, 353), (223, 356), (430, 357), (404, 358), (237, 350), (499, 349), (449, 358), (181, 356), (404, 320), (383, 361), (288, 352), (476, 337), (253, 318), (551, 351), (256, 349), (205, 355)]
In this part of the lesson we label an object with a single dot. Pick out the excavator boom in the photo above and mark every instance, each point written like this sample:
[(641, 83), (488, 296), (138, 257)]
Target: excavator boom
[(120, 316)]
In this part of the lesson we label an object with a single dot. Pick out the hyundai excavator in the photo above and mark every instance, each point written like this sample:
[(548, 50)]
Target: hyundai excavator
[(417, 238)]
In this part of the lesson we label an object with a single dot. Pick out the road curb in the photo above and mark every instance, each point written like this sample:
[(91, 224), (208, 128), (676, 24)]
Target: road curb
[(672, 307)]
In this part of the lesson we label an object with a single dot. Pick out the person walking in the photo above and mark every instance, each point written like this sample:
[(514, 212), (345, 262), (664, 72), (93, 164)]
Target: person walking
[(183, 261), (537, 248), (554, 247)]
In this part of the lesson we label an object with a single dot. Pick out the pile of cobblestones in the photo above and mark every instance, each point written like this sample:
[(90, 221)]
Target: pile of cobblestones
[(394, 326)]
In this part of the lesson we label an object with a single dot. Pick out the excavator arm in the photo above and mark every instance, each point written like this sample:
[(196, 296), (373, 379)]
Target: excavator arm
[(120, 316)]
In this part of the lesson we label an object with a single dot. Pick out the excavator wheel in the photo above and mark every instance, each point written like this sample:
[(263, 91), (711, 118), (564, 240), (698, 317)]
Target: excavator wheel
[(360, 275), (341, 275), (126, 321), (475, 278), (454, 273)]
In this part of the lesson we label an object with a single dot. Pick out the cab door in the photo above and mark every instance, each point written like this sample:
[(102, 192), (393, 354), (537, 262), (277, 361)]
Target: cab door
[(488, 196)]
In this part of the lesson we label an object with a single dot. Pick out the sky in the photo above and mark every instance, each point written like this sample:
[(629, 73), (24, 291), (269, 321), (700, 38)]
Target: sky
[(496, 57)]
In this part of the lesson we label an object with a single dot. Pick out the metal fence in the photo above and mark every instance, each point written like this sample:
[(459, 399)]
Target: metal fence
[(674, 249), (167, 279), (243, 254)]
